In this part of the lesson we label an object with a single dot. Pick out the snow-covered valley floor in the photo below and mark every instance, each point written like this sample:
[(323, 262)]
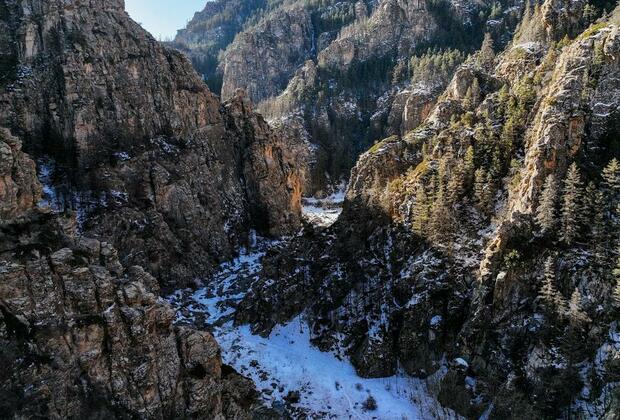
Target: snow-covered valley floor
[(288, 371), (324, 211)]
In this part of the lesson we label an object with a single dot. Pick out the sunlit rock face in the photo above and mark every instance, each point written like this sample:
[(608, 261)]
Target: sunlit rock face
[(340, 68)]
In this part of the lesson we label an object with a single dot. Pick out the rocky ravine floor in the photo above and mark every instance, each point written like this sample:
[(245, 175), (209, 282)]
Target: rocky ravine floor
[(288, 371)]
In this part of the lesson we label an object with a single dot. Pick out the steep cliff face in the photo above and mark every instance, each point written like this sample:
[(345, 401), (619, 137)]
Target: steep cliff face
[(262, 60), (366, 85), (153, 158), (19, 188), (83, 336), (478, 249), (343, 68), (211, 30)]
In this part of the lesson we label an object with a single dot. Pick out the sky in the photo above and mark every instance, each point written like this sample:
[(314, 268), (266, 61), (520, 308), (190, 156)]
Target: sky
[(162, 18)]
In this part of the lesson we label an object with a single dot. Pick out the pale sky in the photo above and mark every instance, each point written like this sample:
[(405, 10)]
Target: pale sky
[(162, 18)]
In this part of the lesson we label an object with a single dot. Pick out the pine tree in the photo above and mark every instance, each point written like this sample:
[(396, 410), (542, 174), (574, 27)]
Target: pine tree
[(487, 51), (616, 273), (576, 315), (468, 100), (611, 180), (469, 164), (545, 214), (489, 193), (599, 232), (455, 186), (549, 295), (472, 95), (421, 211), (572, 205), (480, 190), (441, 221)]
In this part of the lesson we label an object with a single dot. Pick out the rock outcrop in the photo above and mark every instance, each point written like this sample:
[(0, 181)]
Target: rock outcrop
[(262, 60), (81, 335), (211, 30), (19, 188), (155, 161)]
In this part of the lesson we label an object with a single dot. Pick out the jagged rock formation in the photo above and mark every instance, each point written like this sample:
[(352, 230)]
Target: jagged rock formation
[(19, 189), (343, 68), (439, 263), (155, 162), (83, 336), (211, 31), (262, 60)]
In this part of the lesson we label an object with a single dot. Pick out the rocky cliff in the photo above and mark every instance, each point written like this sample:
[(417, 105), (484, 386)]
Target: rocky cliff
[(478, 250), (211, 30), (153, 160), (84, 336), (120, 174), (350, 71), (262, 60), (19, 188)]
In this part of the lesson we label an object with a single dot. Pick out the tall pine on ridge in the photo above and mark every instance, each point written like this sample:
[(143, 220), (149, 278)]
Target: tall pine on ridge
[(545, 214), (571, 205)]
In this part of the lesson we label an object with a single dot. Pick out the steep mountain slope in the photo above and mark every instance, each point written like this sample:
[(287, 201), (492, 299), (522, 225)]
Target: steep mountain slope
[(483, 241), (140, 171), (148, 158), (348, 73), (211, 30), (83, 336)]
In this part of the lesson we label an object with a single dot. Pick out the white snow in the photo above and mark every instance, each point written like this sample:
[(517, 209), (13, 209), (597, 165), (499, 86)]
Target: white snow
[(324, 211), (286, 361), (328, 387), (529, 47), (122, 156), (460, 361), (436, 320)]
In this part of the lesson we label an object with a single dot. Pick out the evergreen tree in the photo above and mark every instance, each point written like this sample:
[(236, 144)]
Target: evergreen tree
[(576, 316), (549, 295), (421, 214), (487, 51), (468, 100), (472, 95), (545, 214), (616, 272), (590, 12), (469, 163), (504, 98), (481, 191), (599, 231), (489, 193), (441, 214), (455, 186), (572, 205), (611, 180)]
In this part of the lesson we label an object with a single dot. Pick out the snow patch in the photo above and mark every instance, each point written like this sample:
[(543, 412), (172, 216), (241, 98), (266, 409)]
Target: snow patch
[(285, 366), (324, 211)]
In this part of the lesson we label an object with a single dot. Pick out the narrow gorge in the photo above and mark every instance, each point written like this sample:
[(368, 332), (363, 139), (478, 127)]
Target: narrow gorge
[(370, 209)]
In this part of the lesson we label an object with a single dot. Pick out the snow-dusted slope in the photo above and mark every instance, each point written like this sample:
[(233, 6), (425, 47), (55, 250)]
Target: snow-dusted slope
[(287, 369)]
